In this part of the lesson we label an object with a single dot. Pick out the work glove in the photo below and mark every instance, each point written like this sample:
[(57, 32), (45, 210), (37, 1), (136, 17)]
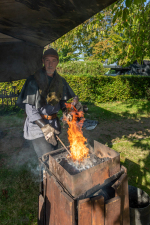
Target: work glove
[(50, 134), (66, 115)]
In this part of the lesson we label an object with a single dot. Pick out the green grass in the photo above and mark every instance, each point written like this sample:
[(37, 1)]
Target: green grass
[(135, 156), (18, 197), (134, 153), (11, 116), (131, 109)]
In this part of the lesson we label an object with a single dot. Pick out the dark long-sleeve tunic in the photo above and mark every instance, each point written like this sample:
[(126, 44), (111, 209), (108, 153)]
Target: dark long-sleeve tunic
[(30, 100)]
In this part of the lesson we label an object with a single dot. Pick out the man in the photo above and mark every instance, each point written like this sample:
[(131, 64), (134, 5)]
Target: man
[(42, 96)]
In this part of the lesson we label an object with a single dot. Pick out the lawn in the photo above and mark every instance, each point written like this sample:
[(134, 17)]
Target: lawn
[(123, 126)]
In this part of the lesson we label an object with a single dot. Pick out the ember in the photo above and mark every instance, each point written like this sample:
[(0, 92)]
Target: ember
[(78, 149), (74, 167)]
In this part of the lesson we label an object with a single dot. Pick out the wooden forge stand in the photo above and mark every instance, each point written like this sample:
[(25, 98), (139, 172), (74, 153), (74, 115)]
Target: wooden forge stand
[(104, 203)]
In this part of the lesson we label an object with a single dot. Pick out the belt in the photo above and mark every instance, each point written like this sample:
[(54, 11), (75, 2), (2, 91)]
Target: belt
[(49, 117)]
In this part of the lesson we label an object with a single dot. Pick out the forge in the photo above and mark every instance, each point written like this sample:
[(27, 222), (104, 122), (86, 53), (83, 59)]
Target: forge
[(93, 192), (78, 181), (74, 167)]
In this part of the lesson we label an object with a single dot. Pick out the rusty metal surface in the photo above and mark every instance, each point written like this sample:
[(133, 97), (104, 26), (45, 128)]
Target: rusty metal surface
[(50, 201), (113, 211), (85, 212), (104, 151), (121, 190), (79, 183), (59, 206), (41, 210), (18, 59), (43, 21), (91, 211), (98, 210)]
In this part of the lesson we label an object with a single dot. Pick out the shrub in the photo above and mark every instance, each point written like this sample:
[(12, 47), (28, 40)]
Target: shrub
[(102, 88), (106, 88), (81, 67)]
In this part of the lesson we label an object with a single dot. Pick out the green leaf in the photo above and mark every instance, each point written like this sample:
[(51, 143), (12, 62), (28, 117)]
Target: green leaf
[(136, 2), (120, 13), (128, 3), (124, 16), (114, 18)]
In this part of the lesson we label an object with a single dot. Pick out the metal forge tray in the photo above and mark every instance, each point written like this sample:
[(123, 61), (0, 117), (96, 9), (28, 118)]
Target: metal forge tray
[(81, 182)]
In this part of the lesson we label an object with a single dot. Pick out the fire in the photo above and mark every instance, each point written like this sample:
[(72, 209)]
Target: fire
[(77, 141)]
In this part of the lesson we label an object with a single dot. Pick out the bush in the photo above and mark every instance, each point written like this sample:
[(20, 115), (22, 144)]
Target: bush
[(106, 88), (8, 87), (103, 88), (81, 67)]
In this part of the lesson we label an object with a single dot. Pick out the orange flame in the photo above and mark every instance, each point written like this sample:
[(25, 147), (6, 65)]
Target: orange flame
[(77, 141)]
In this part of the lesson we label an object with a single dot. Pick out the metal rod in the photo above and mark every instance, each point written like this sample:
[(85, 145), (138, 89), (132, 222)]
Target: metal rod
[(52, 152), (55, 151), (63, 144)]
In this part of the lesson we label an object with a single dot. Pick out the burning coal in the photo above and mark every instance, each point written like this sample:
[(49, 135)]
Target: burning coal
[(78, 148), (75, 167)]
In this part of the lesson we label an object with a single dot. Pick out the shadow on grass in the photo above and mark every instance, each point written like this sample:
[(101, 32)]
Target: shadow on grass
[(136, 175), (18, 196), (118, 125), (141, 106), (113, 126), (11, 110)]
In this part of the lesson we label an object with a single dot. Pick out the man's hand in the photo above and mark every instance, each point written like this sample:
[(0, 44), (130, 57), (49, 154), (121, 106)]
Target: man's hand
[(67, 116), (50, 134)]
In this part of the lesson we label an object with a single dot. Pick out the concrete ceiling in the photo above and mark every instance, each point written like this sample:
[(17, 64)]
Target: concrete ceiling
[(43, 21), (26, 26)]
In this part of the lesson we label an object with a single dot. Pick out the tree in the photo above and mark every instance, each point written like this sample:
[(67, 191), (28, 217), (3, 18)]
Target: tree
[(118, 33), (127, 40), (81, 38)]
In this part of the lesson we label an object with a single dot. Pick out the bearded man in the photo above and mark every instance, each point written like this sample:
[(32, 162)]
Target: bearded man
[(42, 96)]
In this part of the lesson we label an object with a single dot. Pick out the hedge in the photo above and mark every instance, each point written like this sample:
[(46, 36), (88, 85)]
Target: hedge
[(93, 67), (101, 88), (107, 88)]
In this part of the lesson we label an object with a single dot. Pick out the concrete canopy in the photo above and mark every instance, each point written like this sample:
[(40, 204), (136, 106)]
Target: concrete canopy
[(39, 22), (43, 21)]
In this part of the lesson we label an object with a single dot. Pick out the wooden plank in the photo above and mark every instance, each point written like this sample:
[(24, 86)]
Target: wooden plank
[(121, 189), (112, 211), (49, 198), (41, 210), (98, 210), (57, 204), (60, 208), (63, 207), (85, 212)]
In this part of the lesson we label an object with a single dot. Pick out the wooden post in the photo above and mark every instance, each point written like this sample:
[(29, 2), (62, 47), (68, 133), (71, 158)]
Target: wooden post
[(121, 190), (98, 210), (91, 211), (113, 211), (85, 212), (60, 207)]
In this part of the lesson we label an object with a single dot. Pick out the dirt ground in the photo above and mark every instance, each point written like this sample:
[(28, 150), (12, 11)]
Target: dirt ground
[(21, 151)]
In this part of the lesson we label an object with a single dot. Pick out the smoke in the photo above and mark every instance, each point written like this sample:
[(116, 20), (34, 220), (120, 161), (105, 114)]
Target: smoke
[(27, 158)]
